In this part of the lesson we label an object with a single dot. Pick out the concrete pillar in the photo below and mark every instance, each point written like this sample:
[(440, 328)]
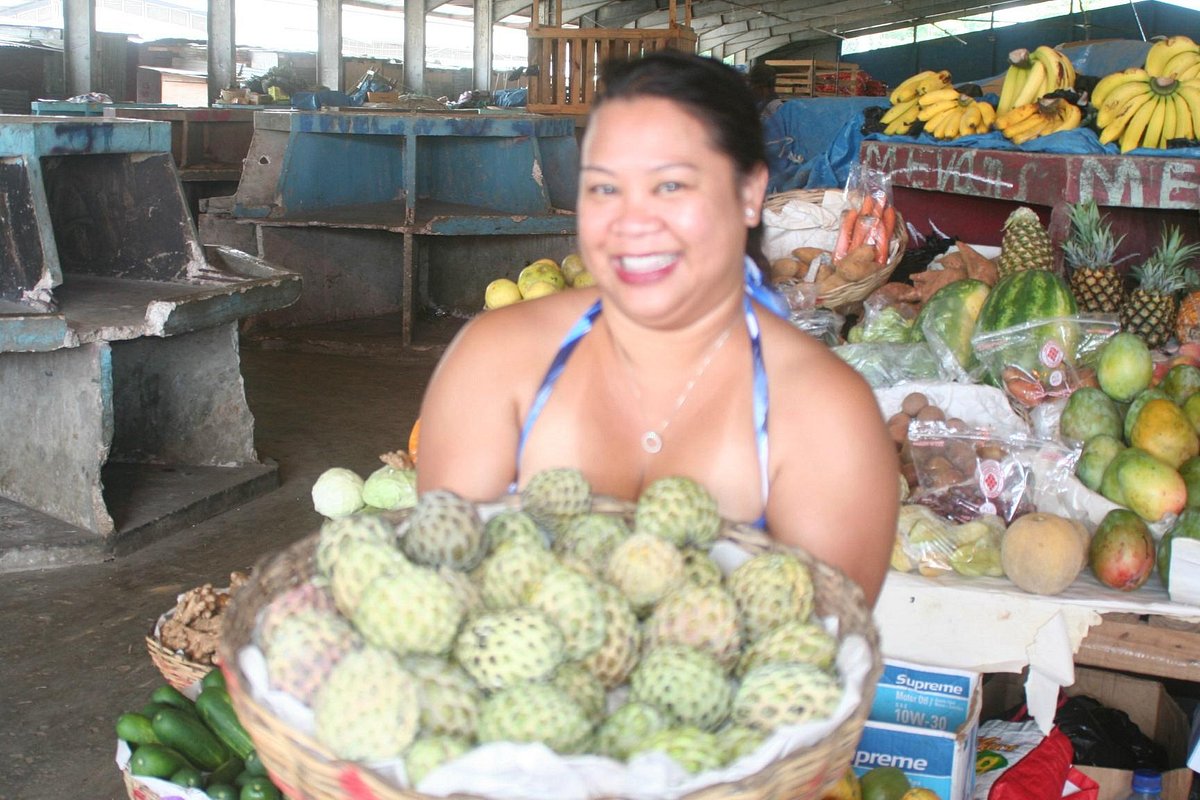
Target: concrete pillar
[(329, 44), (483, 45), (414, 47), (222, 48), (79, 33)]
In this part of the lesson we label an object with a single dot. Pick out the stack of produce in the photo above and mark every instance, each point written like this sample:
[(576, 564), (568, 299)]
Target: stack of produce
[(588, 632), (195, 745), (340, 491), (538, 279)]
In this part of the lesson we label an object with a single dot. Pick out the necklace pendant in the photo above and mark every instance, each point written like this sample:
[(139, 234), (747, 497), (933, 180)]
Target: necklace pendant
[(651, 442)]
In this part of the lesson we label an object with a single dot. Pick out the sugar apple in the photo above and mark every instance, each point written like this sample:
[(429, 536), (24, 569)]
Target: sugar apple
[(686, 684), (534, 712), (680, 510), (415, 612), (784, 694), (444, 529), (770, 589), (367, 709), (504, 648)]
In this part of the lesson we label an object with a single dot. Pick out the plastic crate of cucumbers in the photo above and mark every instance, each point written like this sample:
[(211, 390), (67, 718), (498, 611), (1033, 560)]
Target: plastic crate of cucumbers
[(555, 645), (176, 747)]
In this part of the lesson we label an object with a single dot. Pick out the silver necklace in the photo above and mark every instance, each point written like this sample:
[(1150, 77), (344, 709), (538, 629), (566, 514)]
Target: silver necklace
[(652, 439)]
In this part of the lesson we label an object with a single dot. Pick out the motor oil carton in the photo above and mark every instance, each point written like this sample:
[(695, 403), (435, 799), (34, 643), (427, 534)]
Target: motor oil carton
[(924, 720)]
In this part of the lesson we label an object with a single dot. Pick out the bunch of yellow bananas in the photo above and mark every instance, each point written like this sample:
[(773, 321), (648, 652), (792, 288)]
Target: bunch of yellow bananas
[(948, 114), (898, 119), (1174, 57), (1039, 118), (1033, 74), (1137, 109)]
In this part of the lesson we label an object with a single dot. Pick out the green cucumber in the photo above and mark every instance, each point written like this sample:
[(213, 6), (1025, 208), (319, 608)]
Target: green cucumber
[(259, 788), (213, 677), (189, 777), (216, 710), (227, 772), (189, 736), (221, 791), (150, 709), (156, 761), (254, 764), (169, 695), (136, 729)]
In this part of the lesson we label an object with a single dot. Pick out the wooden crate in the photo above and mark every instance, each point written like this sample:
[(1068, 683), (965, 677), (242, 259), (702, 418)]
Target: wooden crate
[(810, 78), (569, 60)]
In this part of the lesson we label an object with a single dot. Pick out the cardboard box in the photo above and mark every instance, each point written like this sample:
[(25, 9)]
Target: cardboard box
[(925, 721), (1148, 706)]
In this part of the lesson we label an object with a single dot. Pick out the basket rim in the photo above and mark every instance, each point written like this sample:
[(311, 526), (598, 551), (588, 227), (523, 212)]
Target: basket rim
[(308, 749)]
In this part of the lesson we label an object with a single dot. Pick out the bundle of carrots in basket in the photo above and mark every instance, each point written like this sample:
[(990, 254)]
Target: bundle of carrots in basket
[(871, 225)]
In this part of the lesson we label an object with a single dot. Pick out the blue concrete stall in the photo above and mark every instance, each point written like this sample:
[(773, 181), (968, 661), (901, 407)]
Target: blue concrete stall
[(123, 414), (385, 212)]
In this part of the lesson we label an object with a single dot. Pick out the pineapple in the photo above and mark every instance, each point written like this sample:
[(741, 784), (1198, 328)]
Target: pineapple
[(1090, 252), (1150, 309), (1025, 244)]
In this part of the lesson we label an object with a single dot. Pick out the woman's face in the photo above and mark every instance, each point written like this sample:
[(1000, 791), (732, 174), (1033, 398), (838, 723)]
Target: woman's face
[(662, 214)]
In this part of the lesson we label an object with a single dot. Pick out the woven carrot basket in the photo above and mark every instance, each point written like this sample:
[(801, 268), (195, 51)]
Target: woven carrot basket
[(306, 770), (851, 293)]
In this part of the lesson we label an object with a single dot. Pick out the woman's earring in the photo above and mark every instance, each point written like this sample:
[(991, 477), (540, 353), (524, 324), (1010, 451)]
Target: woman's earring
[(749, 212)]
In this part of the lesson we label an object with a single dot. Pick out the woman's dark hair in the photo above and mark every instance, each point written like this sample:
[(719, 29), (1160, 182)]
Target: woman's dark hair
[(713, 93)]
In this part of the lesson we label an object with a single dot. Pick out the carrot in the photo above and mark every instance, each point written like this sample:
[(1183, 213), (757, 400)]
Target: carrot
[(849, 218), (889, 228), (869, 207), (862, 231), (882, 243)]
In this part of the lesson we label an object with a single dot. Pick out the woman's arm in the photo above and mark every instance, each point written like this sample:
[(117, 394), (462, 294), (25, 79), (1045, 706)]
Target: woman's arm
[(835, 490), (469, 416)]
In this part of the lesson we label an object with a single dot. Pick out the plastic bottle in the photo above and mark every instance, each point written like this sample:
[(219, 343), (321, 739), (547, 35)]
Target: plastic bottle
[(1147, 785)]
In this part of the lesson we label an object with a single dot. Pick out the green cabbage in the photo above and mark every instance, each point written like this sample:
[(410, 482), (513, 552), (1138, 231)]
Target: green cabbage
[(338, 492), (390, 488)]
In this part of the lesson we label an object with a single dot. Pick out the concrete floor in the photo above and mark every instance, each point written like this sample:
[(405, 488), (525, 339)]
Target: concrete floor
[(72, 649)]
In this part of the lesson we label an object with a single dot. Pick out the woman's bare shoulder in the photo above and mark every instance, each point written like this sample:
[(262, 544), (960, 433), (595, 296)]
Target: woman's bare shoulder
[(803, 370)]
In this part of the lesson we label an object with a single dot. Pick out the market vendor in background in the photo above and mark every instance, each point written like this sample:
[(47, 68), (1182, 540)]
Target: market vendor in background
[(678, 362), (762, 85)]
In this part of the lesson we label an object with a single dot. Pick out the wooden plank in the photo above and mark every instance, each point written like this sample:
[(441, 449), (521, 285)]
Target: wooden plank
[(1141, 648), (576, 93), (560, 71)]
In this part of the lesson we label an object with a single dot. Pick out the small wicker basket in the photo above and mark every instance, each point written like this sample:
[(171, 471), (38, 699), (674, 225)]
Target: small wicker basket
[(180, 671), (846, 296), (306, 770)]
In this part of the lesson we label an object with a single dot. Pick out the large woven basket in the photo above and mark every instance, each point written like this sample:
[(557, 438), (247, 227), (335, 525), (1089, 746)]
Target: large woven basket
[(306, 770), (846, 296)]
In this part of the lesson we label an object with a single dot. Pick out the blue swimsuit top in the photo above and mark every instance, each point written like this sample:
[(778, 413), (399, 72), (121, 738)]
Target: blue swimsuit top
[(756, 289)]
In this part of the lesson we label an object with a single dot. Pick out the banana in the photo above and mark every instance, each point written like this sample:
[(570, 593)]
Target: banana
[(1110, 82), (1154, 126), (970, 119), (951, 124), (907, 90), (1044, 125), (1014, 79), (1163, 50), (1018, 114), (1181, 61), (1190, 73), (1056, 71), (1183, 118), (1069, 117), (1170, 121), (938, 96), (1131, 137), (897, 111), (1190, 92), (928, 113), (1034, 122), (1034, 86), (1116, 126), (1119, 99), (1068, 67), (989, 115)]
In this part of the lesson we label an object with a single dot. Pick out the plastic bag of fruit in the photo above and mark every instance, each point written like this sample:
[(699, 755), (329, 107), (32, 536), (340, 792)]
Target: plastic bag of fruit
[(965, 473), (932, 545), (1043, 360)]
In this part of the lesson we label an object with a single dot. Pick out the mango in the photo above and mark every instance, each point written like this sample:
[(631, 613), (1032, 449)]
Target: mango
[(572, 267), (501, 292), (1110, 485), (1191, 410), (1151, 488), (542, 270), (1190, 472), (1089, 412), (1163, 431), (1121, 554), (1098, 453), (1135, 408), (1125, 367), (1181, 382)]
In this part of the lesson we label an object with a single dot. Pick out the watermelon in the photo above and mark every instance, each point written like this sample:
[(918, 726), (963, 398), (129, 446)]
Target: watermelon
[(1025, 297), (948, 320)]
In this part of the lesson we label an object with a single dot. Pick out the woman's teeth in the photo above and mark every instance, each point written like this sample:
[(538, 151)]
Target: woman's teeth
[(647, 263)]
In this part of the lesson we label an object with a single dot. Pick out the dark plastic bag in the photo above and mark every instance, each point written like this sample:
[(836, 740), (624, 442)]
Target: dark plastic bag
[(1106, 737)]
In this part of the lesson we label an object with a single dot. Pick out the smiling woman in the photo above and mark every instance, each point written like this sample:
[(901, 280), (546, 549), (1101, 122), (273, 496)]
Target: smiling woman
[(678, 361)]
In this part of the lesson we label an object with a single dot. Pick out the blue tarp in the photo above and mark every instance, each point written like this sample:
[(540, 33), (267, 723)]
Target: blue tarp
[(812, 143)]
